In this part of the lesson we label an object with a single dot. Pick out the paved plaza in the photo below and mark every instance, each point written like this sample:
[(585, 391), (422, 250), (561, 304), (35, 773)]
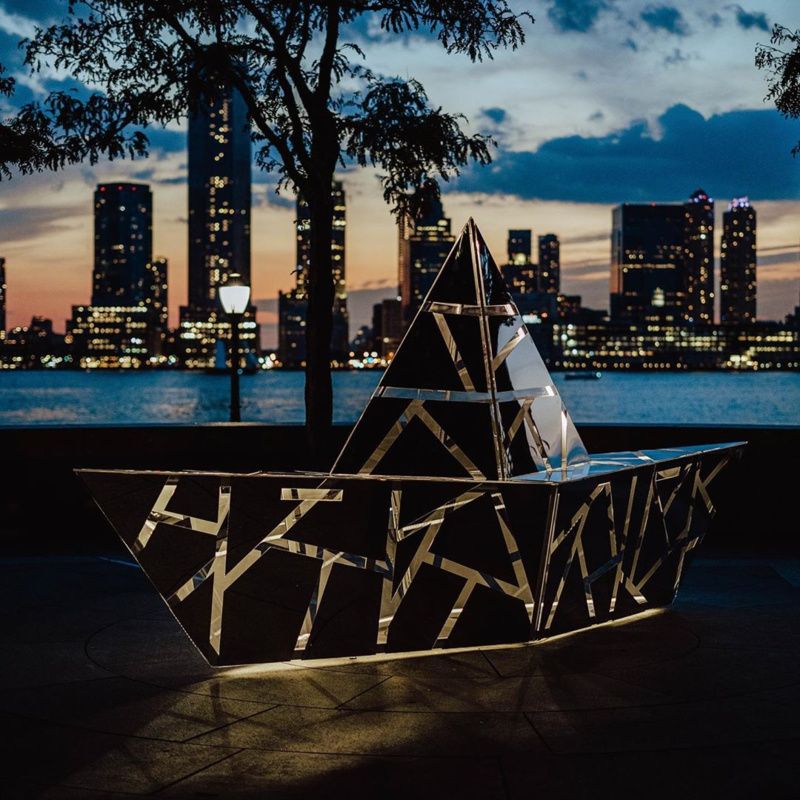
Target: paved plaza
[(103, 695)]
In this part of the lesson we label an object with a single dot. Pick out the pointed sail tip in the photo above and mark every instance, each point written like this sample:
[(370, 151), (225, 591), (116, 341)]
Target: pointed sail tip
[(469, 227)]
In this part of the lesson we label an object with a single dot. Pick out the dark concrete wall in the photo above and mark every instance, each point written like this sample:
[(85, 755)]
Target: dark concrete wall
[(44, 508)]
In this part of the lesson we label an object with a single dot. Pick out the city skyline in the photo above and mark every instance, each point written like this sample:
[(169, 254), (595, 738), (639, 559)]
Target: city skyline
[(697, 118), (660, 254), (666, 226)]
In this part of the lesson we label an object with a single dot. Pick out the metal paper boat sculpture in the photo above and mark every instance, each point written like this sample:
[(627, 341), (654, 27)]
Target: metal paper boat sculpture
[(463, 510)]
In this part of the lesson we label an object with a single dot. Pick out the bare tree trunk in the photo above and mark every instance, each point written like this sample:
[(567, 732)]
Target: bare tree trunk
[(319, 324)]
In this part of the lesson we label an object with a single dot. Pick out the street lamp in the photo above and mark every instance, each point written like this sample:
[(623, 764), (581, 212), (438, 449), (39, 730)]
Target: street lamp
[(234, 295)]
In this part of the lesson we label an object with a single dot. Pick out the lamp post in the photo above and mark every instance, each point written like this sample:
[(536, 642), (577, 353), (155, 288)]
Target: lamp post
[(234, 295)]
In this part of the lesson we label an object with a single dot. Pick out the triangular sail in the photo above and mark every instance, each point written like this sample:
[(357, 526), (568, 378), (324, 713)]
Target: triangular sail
[(467, 393)]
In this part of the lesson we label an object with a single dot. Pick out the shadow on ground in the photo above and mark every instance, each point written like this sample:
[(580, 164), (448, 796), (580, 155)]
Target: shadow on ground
[(103, 695)]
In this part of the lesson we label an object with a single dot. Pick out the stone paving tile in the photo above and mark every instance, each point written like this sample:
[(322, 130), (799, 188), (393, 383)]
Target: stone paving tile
[(441, 664), (530, 693), (301, 687), (40, 755), (127, 648), (706, 695), (735, 772), (33, 792), (656, 638), (158, 653), (736, 585), (108, 590), (379, 733), (710, 672), (120, 706), (275, 775), (734, 721), (758, 629), (42, 663)]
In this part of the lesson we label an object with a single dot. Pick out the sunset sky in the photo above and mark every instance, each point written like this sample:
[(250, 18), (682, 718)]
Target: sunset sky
[(608, 101)]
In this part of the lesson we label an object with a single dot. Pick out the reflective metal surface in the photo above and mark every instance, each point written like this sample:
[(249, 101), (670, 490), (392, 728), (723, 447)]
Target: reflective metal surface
[(477, 352), (463, 510)]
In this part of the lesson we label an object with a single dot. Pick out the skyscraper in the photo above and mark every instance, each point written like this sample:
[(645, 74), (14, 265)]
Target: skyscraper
[(423, 246), (699, 257), (122, 326), (293, 305), (3, 289), (520, 272), (738, 263), (292, 311), (123, 243), (522, 277), (387, 326), (219, 220), (157, 302), (519, 246), (340, 346), (549, 272), (647, 262), (219, 194)]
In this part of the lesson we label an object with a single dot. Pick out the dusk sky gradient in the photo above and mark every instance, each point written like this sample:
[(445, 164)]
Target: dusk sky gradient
[(607, 102)]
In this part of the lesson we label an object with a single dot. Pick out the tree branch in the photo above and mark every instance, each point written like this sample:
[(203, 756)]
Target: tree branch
[(252, 103), (283, 56), (323, 91)]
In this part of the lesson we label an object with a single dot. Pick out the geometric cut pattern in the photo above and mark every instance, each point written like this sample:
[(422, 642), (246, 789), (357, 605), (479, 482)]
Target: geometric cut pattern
[(467, 387), (463, 510), (427, 563)]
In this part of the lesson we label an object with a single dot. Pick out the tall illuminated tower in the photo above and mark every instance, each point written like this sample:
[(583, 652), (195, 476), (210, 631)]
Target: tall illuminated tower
[(123, 243), (423, 246), (519, 246), (520, 271), (125, 323), (219, 218), (738, 263), (3, 289), (699, 257), (219, 194), (340, 346), (157, 301), (549, 271), (647, 262), (293, 305)]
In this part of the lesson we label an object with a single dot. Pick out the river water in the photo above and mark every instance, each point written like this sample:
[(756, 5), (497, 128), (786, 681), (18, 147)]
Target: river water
[(76, 398)]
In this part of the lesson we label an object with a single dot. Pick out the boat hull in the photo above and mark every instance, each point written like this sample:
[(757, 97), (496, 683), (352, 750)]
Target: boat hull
[(274, 567)]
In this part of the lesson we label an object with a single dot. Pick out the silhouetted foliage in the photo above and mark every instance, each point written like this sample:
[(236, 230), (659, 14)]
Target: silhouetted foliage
[(313, 103), (781, 60), (64, 130)]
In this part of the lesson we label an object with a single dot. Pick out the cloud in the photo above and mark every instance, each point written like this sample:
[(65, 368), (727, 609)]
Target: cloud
[(586, 238), (665, 18), (496, 115), (576, 16), (166, 139), (751, 19), (19, 224), (676, 57), (267, 196), (16, 24), (738, 152)]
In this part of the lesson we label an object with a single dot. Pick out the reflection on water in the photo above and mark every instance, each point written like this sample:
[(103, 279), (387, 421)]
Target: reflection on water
[(182, 397)]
